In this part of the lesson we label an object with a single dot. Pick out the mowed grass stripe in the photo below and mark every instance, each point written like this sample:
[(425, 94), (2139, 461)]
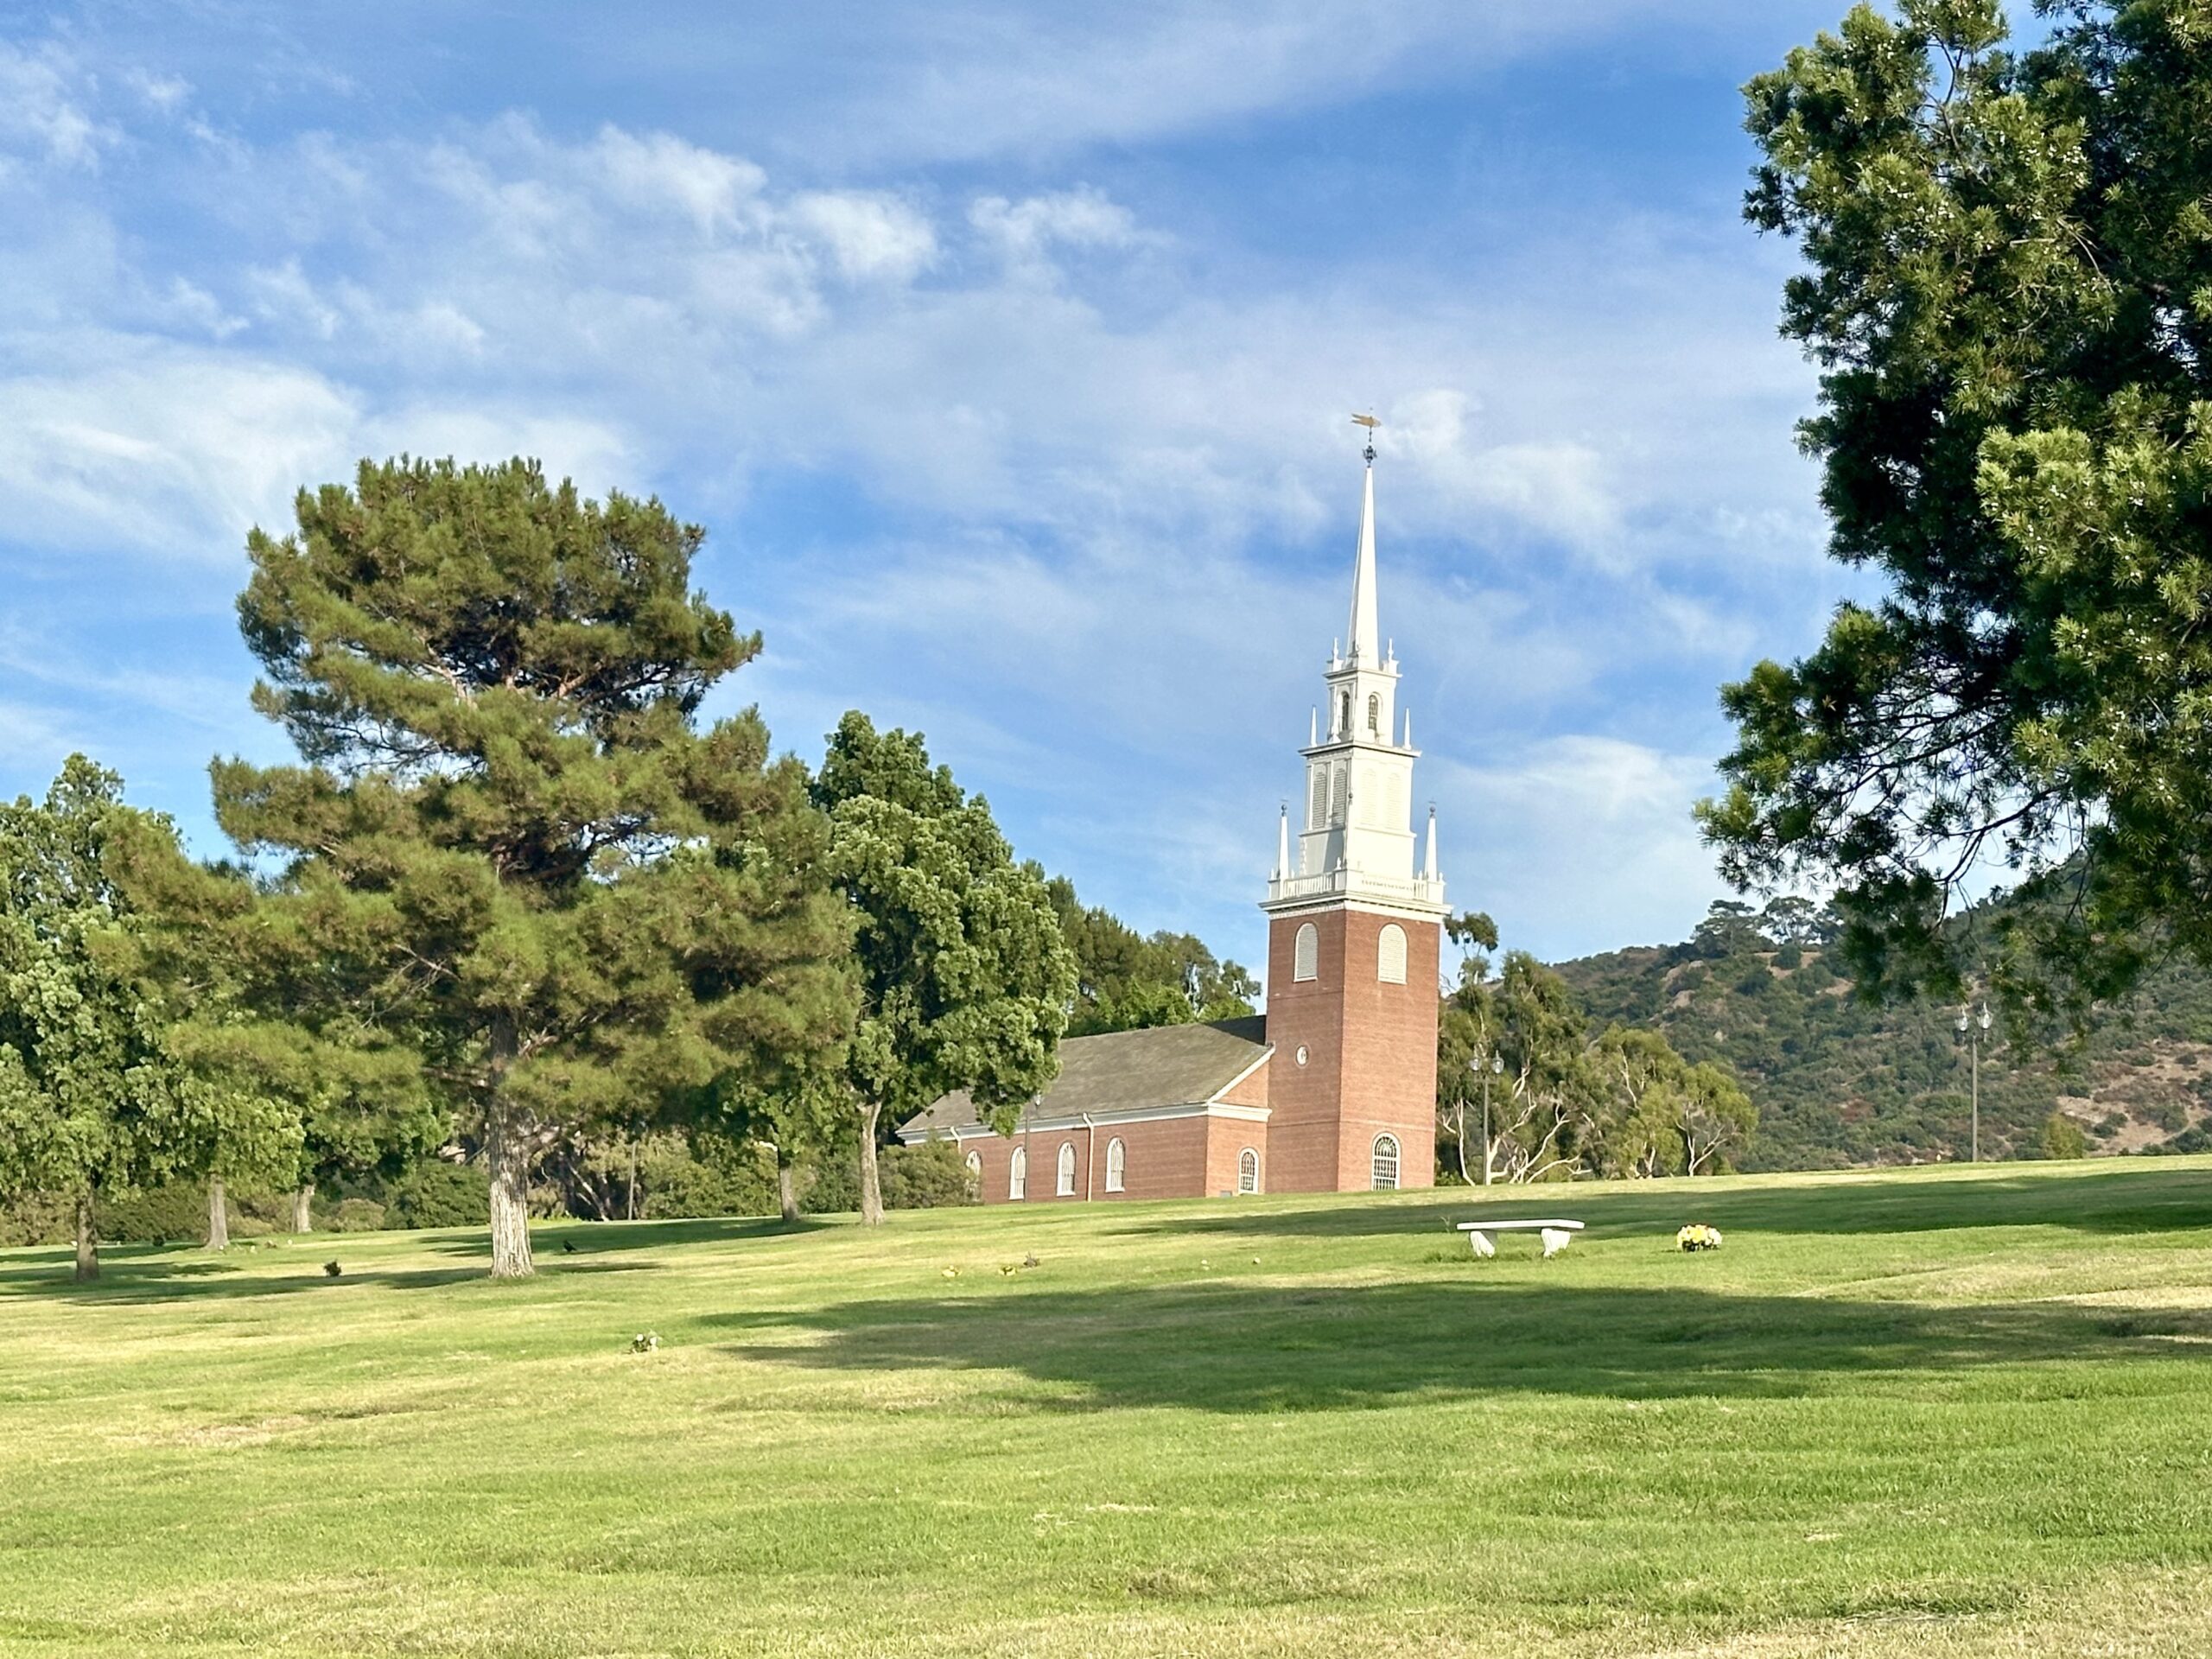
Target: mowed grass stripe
[(1946, 1411)]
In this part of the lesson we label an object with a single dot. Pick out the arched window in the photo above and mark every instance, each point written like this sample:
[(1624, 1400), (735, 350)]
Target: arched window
[(1017, 1173), (1248, 1171), (1118, 1161), (1390, 955), (1305, 953), (1375, 713), (1316, 815), (1344, 714), (1386, 1163), (1339, 794), (1066, 1170)]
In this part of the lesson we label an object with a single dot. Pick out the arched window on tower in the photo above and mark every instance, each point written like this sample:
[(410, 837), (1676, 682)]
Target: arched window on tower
[(1306, 952), (1065, 1184), (1117, 1164), (1017, 1173), (1344, 714), (1385, 1166), (1374, 713), (1390, 955)]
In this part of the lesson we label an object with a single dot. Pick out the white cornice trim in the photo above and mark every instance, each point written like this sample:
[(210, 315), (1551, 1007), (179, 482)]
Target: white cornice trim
[(1409, 909), (1102, 1120)]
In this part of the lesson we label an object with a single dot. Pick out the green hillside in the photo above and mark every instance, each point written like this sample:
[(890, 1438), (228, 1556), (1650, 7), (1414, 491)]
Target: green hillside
[(1839, 1082)]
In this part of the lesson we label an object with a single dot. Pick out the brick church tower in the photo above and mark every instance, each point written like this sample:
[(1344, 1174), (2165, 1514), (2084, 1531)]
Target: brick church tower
[(1354, 921)]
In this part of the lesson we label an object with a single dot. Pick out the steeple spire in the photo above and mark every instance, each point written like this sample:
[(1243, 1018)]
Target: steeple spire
[(1366, 632)]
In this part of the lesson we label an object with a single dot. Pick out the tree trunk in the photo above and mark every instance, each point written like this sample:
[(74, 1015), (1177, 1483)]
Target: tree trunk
[(219, 1216), (786, 1188), (88, 1246), (303, 1208), (508, 1158), (629, 1201), (871, 1187)]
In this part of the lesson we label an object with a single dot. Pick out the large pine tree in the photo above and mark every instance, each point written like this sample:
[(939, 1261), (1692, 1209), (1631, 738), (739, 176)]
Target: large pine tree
[(512, 844)]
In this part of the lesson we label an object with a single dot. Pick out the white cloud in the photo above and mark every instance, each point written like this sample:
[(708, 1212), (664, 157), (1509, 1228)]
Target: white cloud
[(169, 449), (870, 238), (714, 192), (43, 107), (165, 93), (1027, 230), (1579, 842)]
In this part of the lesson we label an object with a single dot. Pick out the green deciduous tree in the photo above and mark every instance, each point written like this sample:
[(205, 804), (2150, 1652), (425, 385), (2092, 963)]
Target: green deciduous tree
[(2008, 291), (1126, 981), (112, 1073), (511, 848), (965, 980)]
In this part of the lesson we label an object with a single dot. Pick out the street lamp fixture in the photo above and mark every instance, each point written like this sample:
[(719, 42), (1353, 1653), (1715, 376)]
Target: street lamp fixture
[(1495, 1068), (1973, 1030)]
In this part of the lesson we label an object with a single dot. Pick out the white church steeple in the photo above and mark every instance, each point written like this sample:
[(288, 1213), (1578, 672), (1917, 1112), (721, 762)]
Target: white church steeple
[(1358, 842), (1365, 635)]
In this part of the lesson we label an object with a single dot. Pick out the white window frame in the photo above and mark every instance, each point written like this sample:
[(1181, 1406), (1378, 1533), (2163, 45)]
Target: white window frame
[(1306, 952), (1390, 955), (1117, 1159), (1063, 1171), (1017, 1173), (1375, 1156), (1248, 1170)]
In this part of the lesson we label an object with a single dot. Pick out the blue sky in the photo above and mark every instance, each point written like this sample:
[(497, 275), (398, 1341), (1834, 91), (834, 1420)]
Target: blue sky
[(1005, 352)]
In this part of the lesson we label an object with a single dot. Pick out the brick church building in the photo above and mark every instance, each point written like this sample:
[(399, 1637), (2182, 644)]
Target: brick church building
[(1333, 1089)]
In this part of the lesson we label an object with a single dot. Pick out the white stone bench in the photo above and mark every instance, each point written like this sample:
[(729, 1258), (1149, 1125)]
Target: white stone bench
[(1555, 1234)]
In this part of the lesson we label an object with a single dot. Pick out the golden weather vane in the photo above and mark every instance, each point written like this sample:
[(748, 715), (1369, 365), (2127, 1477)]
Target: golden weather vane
[(1370, 423)]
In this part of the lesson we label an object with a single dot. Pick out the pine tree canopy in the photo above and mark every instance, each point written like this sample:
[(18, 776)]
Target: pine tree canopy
[(511, 845), (2008, 290)]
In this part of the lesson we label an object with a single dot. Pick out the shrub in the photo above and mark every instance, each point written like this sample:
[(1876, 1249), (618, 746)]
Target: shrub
[(436, 1193), (37, 1219), (932, 1176), (831, 1187), (675, 1183), (354, 1215), (1790, 956), (2063, 1137), (176, 1213)]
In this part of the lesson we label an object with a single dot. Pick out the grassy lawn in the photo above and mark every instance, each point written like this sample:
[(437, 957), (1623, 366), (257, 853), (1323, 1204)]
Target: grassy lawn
[(1928, 1412)]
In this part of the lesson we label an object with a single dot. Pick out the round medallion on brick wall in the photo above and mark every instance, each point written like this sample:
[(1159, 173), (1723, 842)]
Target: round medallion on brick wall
[(1301, 1054)]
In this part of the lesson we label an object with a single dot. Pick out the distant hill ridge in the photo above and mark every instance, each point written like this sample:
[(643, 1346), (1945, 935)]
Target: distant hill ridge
[(1840, 1083)]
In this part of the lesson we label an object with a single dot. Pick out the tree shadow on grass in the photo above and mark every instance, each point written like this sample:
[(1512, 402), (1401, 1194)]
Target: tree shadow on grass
[(152, 1280), (1235, 1348), (547, 1239), (2117, 1201)]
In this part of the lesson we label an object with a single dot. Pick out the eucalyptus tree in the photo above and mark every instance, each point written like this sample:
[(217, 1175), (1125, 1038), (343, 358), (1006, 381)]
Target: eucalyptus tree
[(965, 980), (511, 846)]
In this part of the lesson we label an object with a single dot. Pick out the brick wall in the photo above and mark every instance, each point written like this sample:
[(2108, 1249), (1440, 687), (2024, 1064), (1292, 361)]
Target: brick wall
[(1370, 1054), (1170, 1158)]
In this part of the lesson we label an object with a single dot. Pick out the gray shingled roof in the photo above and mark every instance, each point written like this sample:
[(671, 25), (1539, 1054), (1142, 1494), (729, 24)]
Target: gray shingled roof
[(1129, 1071)]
